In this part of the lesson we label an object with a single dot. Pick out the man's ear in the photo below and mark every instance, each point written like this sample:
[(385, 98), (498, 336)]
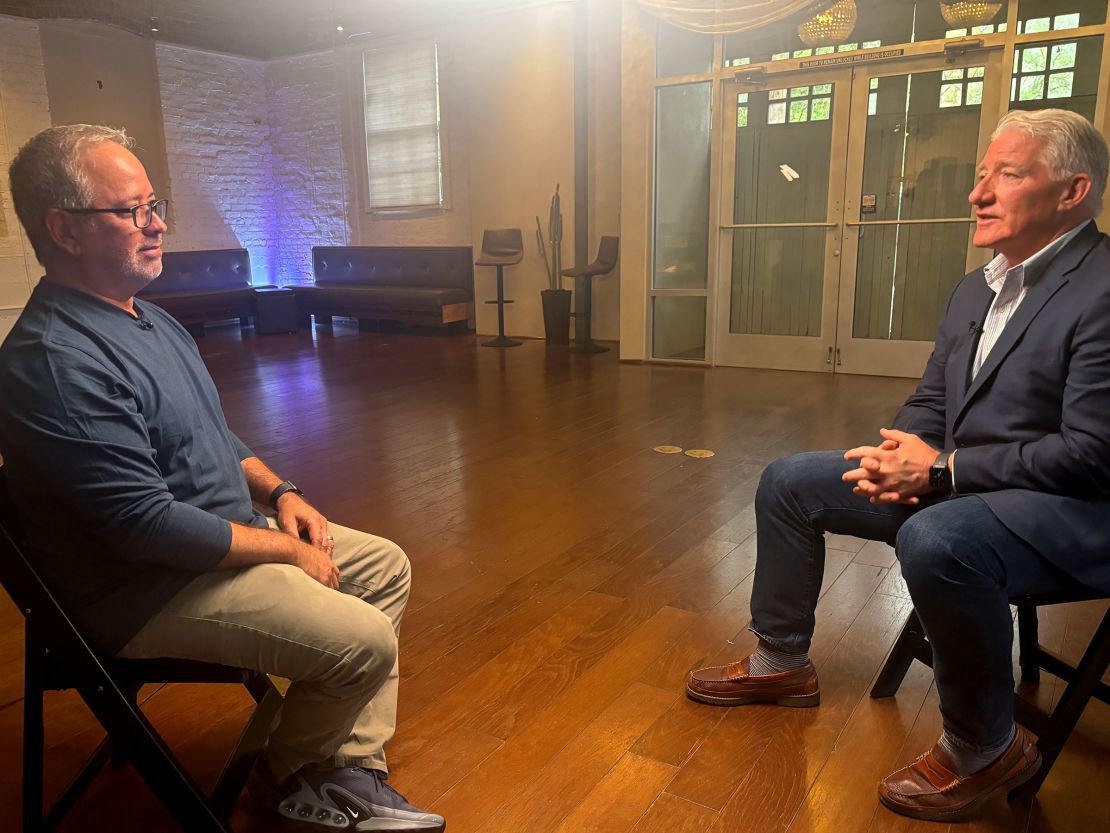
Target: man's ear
[(1077, 187), (59, 225)]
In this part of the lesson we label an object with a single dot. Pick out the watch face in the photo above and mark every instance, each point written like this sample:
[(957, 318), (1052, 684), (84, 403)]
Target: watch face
[(939, 476)]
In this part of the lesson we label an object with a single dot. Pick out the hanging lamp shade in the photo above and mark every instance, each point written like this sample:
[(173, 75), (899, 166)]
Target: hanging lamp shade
[(963, 14), (716, 17), (832, 26)]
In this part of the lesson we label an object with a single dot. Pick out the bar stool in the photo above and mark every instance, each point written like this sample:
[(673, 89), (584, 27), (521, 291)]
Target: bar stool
[(501, 247), (602, 265)]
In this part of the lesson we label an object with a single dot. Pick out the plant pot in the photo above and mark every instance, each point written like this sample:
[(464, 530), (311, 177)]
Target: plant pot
[(556, 315)]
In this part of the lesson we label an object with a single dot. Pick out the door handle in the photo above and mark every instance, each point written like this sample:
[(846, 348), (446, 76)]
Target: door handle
[(829, 359), (838, 357)]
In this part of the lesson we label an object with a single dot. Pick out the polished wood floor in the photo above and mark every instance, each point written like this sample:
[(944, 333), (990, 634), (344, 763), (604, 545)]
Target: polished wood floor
[(566, 577)]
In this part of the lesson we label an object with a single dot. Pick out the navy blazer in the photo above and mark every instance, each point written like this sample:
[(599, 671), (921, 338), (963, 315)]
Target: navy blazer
[(1032, 431)]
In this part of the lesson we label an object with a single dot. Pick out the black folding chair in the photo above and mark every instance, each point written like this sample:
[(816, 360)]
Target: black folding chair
[(1084, 680), (58, 657)]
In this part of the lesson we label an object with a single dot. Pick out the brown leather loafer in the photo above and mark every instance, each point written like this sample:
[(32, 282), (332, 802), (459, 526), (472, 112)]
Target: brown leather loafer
[(730, 685), (930, 789)]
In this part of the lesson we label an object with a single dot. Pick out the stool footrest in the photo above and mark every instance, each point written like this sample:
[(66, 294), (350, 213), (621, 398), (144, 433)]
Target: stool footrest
[(500, 302)]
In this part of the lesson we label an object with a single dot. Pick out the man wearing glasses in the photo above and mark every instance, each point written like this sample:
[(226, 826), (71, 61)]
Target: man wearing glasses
[(137, 500)]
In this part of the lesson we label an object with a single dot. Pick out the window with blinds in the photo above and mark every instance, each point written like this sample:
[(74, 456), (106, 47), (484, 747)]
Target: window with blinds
[(404, 162)]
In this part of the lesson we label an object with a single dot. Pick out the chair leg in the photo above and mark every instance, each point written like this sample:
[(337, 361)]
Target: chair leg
[(910, 645), (132, 695), (587, 345), (79, 784), (32, 735), (502, 340), (1027, 642), (154, 762), (238, 768), (1068, 711)]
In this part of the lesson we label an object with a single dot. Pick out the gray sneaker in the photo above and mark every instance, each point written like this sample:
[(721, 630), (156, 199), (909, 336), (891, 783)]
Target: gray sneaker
[(350, 798)]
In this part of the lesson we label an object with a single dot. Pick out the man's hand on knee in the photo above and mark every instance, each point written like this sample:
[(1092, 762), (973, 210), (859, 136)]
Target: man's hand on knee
[(299, 518), (318, 565)]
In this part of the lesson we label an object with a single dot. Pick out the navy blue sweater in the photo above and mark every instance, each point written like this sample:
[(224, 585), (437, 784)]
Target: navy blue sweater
[(117, 456)]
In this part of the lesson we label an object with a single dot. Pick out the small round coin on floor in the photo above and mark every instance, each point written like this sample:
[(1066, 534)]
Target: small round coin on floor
[(667, 449), (699, 453)]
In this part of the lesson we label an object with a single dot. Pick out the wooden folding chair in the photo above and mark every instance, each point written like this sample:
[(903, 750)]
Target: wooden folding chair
[(58, 657), (1084, 680)]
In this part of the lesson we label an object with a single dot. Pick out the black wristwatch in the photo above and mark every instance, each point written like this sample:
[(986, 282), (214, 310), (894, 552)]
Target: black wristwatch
[(940, 476), (283, 487)]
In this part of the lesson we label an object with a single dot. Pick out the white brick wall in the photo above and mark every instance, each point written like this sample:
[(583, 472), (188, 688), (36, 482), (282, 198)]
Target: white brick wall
[(24, 111), (310, 179), (218, 148)]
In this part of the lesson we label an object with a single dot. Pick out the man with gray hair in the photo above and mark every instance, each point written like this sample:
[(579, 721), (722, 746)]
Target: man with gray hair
[(993, 482), (138, 501)]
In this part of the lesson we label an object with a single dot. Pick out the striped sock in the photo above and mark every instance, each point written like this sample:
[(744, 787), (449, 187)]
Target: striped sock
[(970, 759), (768, 660)]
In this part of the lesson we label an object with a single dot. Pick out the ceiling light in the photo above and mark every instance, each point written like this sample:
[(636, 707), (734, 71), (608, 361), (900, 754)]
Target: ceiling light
[(831, 26), (962, 14), (339, 28)]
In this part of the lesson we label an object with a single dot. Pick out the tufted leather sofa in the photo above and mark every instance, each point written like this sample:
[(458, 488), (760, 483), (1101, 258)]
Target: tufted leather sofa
[(428, 285), (203, 286)]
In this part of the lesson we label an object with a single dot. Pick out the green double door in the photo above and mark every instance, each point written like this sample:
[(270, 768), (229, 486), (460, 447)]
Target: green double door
[(844, 214)]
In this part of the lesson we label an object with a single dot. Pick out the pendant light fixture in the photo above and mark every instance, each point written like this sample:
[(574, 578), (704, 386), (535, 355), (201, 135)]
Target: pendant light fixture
[(829, 27), (964, 14)]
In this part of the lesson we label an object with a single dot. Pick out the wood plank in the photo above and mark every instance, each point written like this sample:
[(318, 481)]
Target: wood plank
[(455, 753), (674, 815), (876, 554), (453, 706), (521, 701), (566, 781), (736, 745), (473, 801), (620, 798), (781, 786)]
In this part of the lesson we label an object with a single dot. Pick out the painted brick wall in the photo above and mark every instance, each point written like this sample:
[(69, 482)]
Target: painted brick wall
[(218, 148), (24, 111), (310, 177)]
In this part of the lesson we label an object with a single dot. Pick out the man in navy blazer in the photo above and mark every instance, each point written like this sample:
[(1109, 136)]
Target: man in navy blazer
[(994, 481)]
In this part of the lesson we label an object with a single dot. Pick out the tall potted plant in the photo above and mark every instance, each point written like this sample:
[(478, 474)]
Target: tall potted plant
[(556, 300)]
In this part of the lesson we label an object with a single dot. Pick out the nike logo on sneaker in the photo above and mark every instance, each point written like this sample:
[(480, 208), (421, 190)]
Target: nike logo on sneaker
[(351, 811)]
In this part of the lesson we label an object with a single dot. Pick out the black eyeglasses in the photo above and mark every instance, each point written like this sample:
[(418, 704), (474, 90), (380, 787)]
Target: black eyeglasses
[(141, 214)]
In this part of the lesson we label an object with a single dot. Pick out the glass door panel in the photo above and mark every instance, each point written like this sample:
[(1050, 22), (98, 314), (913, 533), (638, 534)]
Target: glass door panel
[(781, 221), (908, 222), (678, 327), (680, 258), (682, 145)]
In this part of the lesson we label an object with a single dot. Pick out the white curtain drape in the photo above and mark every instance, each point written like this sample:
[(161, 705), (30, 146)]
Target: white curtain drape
[(717, 17)]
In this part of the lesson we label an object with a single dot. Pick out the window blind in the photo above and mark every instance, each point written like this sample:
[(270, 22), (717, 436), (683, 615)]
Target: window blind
[(401, 97)]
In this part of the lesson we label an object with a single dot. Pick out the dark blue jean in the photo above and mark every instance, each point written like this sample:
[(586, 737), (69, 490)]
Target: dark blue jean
[(960, 563)]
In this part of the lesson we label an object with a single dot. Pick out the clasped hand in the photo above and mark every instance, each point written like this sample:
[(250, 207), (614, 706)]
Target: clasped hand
[(300, 519), (895, 471)]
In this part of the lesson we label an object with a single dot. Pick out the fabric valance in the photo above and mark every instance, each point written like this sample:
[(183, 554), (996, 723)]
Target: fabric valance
[(724, 16)]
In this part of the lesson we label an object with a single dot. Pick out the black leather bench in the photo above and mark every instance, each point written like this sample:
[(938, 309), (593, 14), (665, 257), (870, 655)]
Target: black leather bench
[(423, 285), (204, 286)]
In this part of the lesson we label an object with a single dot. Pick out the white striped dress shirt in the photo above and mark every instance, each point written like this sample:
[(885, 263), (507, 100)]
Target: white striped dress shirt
[(1009, 284)]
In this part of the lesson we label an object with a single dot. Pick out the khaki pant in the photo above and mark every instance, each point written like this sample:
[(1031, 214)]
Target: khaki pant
[(339, 649)]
